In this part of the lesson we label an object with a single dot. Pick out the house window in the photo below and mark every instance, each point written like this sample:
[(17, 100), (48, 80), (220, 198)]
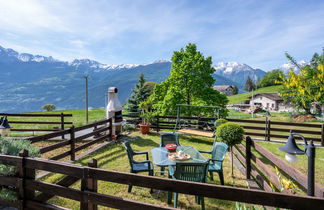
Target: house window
[(272, 105), (267, 105), (260, 97)]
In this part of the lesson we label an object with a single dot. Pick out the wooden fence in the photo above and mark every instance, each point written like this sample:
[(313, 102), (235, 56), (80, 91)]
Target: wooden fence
[(262, 169), (89, 198), (60, 123), (96, 130), (269, 130)]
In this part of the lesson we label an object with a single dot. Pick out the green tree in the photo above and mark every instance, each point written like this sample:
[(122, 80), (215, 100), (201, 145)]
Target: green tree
[(235, 90), (306, 86), (49, 107), (190, 82), (140, 93), (271, 78), (249, 85), (150, 86)]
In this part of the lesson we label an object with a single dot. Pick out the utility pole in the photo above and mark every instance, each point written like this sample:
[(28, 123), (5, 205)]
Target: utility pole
[(252, 108), (86, 103)]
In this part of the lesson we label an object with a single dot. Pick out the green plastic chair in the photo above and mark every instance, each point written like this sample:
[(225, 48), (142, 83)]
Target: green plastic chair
[(169, 138), (138, 166), (216, 161), (194, 172)]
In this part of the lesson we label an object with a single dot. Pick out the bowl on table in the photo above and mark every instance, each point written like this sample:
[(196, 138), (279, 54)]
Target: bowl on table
[(171, 147)]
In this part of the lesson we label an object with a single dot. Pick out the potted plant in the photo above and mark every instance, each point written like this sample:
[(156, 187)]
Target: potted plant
[(231, 134), (147, 117)]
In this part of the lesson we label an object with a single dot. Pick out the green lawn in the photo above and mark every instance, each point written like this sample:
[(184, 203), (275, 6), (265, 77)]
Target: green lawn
[(115, 158), (237, 99)]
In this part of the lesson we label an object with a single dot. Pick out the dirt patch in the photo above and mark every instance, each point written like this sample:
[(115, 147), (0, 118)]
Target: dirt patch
[(304, 118)]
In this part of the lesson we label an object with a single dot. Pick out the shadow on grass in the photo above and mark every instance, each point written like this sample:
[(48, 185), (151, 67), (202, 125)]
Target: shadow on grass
[(142, 142)]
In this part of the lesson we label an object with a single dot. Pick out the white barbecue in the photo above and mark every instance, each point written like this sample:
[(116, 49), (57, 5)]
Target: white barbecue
[(114, 111)]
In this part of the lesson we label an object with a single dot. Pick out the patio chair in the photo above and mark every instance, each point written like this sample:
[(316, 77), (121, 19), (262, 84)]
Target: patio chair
[(168, 138), (194, 172), (216, 162), (138, 166)]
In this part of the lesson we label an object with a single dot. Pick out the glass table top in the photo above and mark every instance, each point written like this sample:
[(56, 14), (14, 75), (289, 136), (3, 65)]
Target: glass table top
[(160, 156)]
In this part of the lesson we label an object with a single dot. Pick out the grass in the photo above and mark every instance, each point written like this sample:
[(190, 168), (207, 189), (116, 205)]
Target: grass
[(237, 99), (115, 158), (78, 119)]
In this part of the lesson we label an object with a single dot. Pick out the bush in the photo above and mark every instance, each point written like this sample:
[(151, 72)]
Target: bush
[(219, 122), (13, 147), (49, 107), (230, 133)]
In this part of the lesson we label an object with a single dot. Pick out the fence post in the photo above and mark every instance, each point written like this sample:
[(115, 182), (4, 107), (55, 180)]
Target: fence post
[(248, 144), (157, 124), (268, 130), (110, 129), (62, 123), (322, 137), (25, 173), (72, 143), (89, 184)]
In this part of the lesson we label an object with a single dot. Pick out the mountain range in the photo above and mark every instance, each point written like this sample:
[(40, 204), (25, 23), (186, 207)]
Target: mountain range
[(30, 81)]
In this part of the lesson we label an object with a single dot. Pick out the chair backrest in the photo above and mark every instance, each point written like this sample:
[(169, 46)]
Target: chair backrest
[(195, 172), (219, 151), (130, 152), (169, 138)]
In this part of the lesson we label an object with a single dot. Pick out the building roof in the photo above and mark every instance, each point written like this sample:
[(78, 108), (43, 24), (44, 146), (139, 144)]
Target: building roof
[(272, 96), (222, 87)]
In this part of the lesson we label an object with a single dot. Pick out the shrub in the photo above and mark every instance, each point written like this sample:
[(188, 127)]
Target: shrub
[(49, 107), (230, 133), (13, 147), (219, 122)]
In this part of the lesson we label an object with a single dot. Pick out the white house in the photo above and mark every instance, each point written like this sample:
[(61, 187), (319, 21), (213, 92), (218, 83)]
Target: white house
[(270, 101), (226, 89)]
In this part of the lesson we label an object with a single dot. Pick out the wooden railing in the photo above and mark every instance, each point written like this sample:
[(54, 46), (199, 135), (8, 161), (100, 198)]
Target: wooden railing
[(89, 198), (269, 130), (61, 122), (262, 169), (101, 133)]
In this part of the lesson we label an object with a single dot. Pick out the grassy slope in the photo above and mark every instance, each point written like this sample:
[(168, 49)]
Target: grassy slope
[(237, 99)]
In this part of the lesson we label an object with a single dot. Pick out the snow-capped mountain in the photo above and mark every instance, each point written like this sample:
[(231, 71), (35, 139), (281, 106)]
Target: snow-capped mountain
[(31, 81), (238, 72), (285, 68), (7, 55)]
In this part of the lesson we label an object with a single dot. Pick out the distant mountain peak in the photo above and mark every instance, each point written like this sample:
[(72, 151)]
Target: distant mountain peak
[(11, 55), (287, 66)]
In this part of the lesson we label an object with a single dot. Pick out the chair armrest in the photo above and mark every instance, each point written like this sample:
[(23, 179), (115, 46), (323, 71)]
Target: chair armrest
[(142, 153), (205, 152), (214, 160)]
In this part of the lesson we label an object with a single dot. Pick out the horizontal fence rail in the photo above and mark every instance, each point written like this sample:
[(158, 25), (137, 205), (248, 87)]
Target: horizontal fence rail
[(13, 121), (87, 195), (96, 135), (269, 130), (264, 173)]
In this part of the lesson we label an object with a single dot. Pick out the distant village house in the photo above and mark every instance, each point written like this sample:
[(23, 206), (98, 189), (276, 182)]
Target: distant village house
[(228, 90), (270, 101)]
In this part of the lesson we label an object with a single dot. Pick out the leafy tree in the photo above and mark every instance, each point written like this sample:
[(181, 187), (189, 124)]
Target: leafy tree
[(235, 90), (140, 93), (249, 85), (190, 82), (150, 85), (271, 78), (307, 85), (49, 107)]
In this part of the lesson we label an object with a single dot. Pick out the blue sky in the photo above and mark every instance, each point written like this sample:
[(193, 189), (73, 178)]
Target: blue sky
[(138, 31)]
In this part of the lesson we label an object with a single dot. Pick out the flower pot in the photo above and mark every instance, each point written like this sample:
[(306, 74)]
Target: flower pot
[(145, 129)]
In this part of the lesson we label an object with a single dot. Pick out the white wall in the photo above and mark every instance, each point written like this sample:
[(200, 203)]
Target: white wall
[(264, 101)]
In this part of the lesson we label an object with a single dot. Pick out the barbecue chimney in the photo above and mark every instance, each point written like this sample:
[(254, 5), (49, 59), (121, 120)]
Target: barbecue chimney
[(114, 111)]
